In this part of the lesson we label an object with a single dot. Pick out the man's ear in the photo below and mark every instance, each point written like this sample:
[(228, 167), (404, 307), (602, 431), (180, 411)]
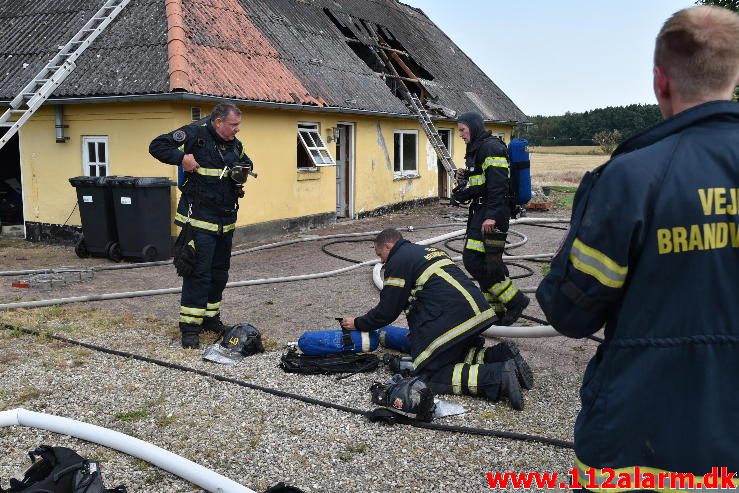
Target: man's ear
[(662, 86)]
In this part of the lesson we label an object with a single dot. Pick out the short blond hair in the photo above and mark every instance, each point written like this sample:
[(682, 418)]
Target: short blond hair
[(698, 48)]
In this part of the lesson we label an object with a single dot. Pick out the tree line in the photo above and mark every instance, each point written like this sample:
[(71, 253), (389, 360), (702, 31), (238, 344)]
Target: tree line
[(582, 128)]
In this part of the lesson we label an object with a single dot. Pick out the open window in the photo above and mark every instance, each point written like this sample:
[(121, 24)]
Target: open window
[(405, 153), (95, 156), (312, 151)]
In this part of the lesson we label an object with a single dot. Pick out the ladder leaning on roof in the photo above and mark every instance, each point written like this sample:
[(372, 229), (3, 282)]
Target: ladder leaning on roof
[(417, 107), (56, 70)]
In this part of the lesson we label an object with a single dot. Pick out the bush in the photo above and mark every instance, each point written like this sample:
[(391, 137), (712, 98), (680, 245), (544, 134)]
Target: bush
[(607, 140)]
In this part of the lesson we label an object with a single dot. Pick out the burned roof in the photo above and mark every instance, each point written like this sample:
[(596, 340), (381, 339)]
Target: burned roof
[(324, 53)]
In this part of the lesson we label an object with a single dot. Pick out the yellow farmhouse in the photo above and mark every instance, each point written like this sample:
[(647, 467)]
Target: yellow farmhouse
[(320, 85)]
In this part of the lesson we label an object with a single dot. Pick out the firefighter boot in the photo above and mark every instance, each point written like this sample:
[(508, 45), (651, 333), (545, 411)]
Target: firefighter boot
[(214, 324), (190, 336), (509, 386), (507, 350), (514, 309)]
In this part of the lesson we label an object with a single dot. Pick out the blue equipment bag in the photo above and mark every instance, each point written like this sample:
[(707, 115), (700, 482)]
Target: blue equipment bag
[(394, 337), (518, 155), (326, 342)]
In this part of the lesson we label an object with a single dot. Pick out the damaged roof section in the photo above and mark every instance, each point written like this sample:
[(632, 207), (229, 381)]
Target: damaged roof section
[(307, 52)]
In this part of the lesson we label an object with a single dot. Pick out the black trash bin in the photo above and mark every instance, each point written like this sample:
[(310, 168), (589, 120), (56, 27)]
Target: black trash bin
[(142, 213), (95, 202)]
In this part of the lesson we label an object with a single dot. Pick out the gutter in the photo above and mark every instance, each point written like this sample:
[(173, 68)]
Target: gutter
[(182, 96)]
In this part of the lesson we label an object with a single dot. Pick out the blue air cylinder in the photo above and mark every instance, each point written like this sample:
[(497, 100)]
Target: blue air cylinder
[(393, 337), (520, 170), (325, 342)]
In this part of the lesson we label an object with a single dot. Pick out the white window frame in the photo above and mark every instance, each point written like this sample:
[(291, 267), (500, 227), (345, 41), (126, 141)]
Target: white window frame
[(309, 134), (403, 172), (86, 163)]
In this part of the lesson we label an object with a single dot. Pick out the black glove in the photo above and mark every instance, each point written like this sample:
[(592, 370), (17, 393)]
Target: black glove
[(184, 252)]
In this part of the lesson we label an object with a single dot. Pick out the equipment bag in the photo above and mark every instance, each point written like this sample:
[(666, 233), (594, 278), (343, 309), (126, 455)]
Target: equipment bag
[(326, 342), (294, 362), (60, 470), (184, 252)]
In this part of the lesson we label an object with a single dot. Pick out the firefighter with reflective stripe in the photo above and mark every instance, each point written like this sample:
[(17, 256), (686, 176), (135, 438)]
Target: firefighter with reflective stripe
[(652, 254), (206, 151), (488, 190), (446, 314)]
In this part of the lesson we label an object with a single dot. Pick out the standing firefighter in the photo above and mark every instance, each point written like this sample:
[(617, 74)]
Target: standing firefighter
[(488, 188), (653, 254), (446, 315), (213, 160)]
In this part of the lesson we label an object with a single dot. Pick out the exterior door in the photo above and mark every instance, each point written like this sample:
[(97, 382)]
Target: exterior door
[(445, 189), (343, 162)]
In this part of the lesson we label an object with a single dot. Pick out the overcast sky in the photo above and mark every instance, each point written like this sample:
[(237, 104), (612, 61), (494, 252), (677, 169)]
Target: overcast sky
[(553, 56)]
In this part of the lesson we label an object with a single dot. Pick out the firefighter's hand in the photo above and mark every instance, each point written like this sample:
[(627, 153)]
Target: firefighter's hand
[(460, 173), (488, 225), (189, 164), (348, 323), (240, 191)]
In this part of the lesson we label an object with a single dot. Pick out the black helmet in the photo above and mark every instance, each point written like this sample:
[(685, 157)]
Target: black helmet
[(409, 397), (244, 339)]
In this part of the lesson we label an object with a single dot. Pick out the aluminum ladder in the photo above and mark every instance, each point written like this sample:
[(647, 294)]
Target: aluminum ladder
[(25, 104), (433, 135), (417, 107)]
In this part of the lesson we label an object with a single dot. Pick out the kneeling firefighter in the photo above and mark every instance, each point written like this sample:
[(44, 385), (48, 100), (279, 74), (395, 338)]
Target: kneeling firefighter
[(216, 167), (488, 189), (446, 314)]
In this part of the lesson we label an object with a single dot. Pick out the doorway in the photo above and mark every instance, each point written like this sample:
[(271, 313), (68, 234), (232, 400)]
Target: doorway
[(445, 189), (11, 191), (344, 170)]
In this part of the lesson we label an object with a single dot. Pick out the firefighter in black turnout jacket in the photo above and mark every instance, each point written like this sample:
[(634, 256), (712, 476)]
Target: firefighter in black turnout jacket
[(488, 190), (653, 254), (446, 314), (207, 153)]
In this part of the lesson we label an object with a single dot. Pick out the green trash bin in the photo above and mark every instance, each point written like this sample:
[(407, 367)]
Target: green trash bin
[(142, 213), (95, 202)]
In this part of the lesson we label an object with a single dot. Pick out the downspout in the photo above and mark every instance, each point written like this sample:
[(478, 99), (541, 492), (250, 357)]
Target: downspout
[(179, 76)]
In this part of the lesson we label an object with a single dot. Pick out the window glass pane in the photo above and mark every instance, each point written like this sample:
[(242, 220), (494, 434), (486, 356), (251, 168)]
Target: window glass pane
[(316, 156), (409, 152), (317, 139), (91, 156), (93, 170), (304, 160), (326, 157), (396, 153), (101, 152), (308, 140), (103, 170)]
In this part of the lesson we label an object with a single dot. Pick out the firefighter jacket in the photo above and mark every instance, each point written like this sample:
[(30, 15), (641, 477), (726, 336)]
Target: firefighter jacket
[(209, 197), (444, 308), (653, 253)]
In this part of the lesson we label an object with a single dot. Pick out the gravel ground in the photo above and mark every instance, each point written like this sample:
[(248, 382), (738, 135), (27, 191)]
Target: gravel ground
[(255, 438)]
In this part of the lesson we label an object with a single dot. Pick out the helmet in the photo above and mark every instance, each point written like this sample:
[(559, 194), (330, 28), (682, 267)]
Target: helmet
[(240, 340), (409, 397), (244, 339)]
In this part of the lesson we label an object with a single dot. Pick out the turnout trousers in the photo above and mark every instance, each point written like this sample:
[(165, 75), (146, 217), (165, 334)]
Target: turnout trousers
[(202, 292), (473, 370)]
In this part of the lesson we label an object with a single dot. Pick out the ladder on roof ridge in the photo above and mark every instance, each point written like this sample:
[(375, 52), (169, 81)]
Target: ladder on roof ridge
[(417, 107), (56, 70)]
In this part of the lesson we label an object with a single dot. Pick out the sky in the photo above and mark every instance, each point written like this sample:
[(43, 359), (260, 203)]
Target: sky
[(554, 56)]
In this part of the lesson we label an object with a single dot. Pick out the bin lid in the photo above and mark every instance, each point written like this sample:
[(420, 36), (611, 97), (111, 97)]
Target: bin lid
[(154, 182), (121, 181), (81, 181)]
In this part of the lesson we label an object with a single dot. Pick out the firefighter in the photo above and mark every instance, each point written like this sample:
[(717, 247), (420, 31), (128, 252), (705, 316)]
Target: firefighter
[(209, 202), (652, 254), (487, 175), (446, 314)]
